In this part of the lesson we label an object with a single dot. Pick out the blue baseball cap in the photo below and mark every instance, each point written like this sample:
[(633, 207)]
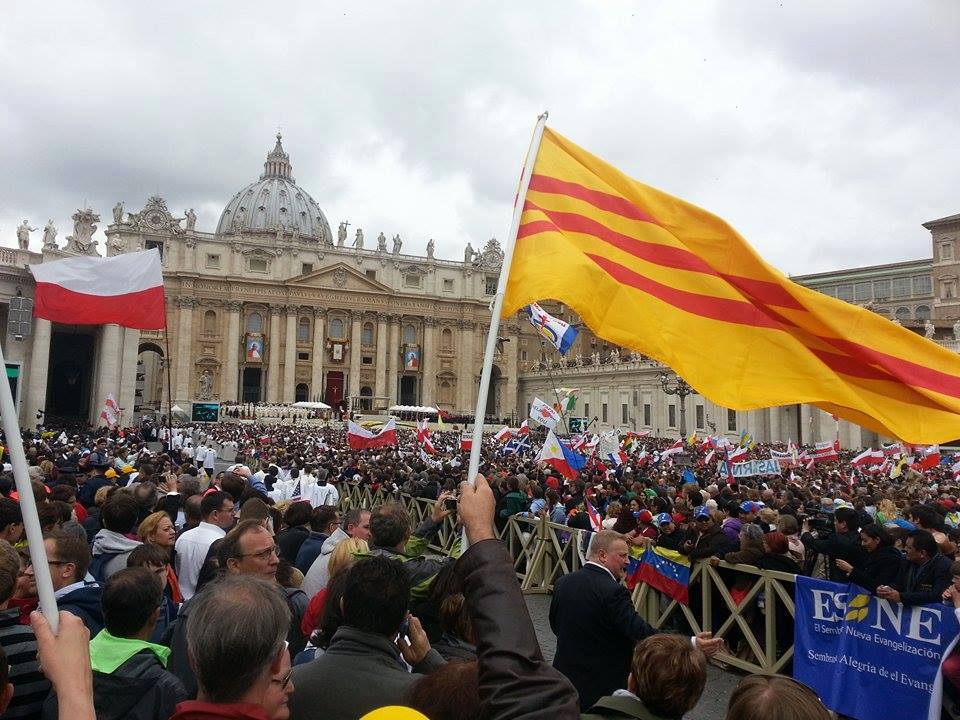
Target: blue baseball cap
[(701, 513), (748, 506), (664, 519)]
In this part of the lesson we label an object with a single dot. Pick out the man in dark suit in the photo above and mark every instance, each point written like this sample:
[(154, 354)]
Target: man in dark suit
[(596, 624)]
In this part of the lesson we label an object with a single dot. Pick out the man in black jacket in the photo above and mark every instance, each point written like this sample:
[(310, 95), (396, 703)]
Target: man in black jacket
[(842, 544), (710, 538), (924, 574), (129, 679), (596, 624)]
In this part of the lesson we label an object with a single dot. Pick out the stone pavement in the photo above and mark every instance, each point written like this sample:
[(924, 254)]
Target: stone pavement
[(720, 683)]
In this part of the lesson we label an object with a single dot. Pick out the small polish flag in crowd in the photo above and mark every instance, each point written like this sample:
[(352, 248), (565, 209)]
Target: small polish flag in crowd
[(423, 437), (868, 457), (125, 289), (503, 434), (738, 454), (466, 443), (825, 452), (359, 438), (929, 458), (111, 412), (524, 428)]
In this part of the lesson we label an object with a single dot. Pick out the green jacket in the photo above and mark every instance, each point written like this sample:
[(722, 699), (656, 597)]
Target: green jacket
[(107, 652), (620, 706), (512, 503)]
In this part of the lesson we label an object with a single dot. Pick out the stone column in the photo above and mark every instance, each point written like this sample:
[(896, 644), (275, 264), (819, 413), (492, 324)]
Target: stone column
[(512, 352), (316, 356), (229, 381), (381, 378), (393, 360), (290, 355), (38, 368), (466, 386), (356, 324), (776, 424), (807, 429), (428, 360), (109, 350), (128, 373), (273, 366), (184, 367)]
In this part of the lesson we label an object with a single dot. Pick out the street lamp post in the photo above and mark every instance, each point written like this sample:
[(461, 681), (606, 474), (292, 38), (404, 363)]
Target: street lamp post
[(679, 387)]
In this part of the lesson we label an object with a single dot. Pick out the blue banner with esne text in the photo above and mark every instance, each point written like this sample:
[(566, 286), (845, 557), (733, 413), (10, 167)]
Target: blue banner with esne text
[(869, 658)]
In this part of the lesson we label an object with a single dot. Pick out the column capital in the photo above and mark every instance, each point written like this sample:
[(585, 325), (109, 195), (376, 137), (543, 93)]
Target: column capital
[(291, 309), (356, 314), (513, 328), (276, 309), (185, 302), (430, 321), (382, 317), (394, 318), (319, 313), (466, 324), (233, 305)]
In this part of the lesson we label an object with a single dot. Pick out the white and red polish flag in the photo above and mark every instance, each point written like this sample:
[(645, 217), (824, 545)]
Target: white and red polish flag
[(359, 438), (124, 289)]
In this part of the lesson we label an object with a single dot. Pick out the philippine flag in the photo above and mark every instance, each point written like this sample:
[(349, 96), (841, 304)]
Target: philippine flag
[(559, 456), (126, 290), (558, 333)]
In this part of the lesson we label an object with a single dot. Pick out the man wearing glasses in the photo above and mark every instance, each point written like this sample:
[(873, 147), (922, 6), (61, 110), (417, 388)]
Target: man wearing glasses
[(69, 558)]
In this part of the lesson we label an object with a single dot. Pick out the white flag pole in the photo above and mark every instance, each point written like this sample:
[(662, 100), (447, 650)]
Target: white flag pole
[(493, 332), (28, 505)]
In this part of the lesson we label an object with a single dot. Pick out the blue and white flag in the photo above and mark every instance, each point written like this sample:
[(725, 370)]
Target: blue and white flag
[(517, 445), (558, 333)]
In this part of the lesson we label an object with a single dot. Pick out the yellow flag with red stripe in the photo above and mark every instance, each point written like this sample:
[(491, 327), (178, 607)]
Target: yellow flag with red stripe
[(656, 274)]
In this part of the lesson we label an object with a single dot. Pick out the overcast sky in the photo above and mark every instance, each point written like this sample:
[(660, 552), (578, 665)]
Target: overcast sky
[(825, 131)]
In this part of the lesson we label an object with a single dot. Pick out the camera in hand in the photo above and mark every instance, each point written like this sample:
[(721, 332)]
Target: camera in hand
[(450, 503)]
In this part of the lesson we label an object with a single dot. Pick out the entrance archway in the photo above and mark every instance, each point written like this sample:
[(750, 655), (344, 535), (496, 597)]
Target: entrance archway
[(252, 385), (301, 393), (366, 401), (334, 395), (70, 378), (408, 390), (493, 395), (151, 379)]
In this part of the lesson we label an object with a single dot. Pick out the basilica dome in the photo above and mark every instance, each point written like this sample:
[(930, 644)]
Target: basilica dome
[(274, 200)]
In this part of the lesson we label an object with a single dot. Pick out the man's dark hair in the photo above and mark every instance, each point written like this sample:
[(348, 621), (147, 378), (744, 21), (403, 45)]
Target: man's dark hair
[(389, 525), (62, 492), (212, 502), (848, 516), (376, 596), (923, 540), (147, 554), (926, 517), (233, 485), (120, 512), (72, 549), (298, 513), (9, 513), (322, 517), (130, 596)]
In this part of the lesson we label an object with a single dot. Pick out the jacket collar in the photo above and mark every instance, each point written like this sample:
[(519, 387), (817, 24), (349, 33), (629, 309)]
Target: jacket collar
[(354, 641), (628, 705)]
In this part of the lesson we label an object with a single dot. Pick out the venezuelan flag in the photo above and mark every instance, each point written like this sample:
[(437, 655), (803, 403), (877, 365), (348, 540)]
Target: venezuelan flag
[(653, 273), (632, 576), (666, 570)]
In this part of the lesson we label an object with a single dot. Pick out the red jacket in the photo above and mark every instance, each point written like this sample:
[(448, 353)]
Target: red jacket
[(198, 710)]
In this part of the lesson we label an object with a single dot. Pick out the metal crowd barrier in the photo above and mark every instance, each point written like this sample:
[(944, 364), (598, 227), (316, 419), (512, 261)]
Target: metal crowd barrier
[(750, 608)]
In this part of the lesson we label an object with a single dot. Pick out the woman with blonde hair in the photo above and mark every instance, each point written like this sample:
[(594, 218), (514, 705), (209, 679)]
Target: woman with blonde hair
[(343, 556), (158, 529)]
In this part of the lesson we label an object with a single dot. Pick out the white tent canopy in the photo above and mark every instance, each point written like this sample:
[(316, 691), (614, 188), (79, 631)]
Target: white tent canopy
[(311, 405), (413, 409)]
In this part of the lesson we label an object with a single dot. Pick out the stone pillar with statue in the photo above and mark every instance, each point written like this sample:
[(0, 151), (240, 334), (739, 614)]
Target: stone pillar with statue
[(356, 325), (231, 361), (428, 362), (184, 366), (273, 352), (38, 371), (290, 355), (380, 384), (316, 355)]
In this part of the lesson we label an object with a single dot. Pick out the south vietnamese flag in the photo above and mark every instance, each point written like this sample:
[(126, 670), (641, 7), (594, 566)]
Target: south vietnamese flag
[(126, 290)]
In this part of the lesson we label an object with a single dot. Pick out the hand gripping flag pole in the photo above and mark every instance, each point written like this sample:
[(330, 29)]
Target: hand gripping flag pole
[(28, 505), (497, 305)]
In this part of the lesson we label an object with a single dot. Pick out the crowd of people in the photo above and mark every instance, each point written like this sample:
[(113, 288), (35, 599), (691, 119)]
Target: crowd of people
[(188, 589)]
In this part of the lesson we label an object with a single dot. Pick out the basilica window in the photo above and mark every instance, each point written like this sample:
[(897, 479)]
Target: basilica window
[(946, 251), (213, 260), (255, 264), (303, 330), (490, 285), (922, 285), (948, 288), (862, 291), (901, 287), (411, 280), (210, 323), (255, 323), (845, 292), (903, 313), (671, 416), (336, 329), (446, 339), (306, 268), (700, 413), (372, 274), (366, 335), (448, 285), (881, 289), (731, 420), (409, 334), (922, 312)]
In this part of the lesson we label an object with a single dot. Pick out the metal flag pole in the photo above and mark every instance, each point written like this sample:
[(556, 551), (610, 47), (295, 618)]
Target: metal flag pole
[(28, 505), (497, 306)]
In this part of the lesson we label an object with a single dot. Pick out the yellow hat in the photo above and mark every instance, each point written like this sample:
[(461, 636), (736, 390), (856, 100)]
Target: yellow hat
[(111, 473), (394, 712), (127, 469)]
